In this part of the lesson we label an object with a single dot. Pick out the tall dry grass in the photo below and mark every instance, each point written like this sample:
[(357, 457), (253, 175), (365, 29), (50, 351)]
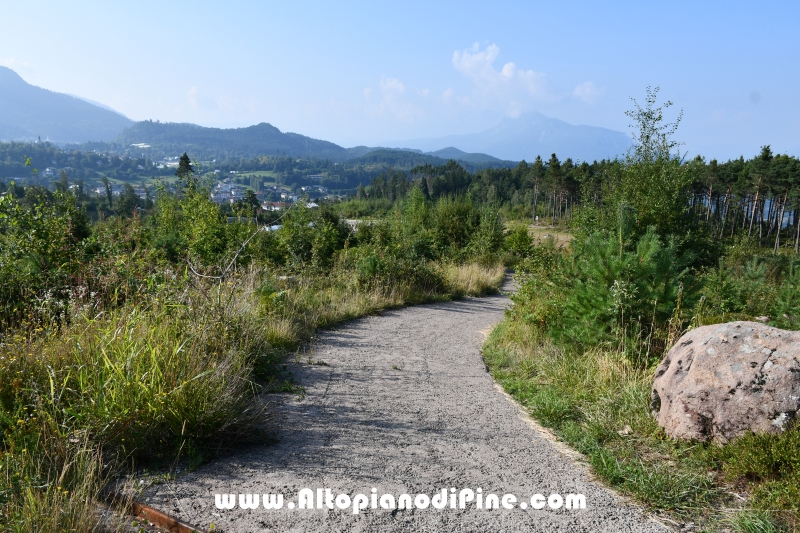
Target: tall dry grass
[(171, 375), (50, 485), (473, 279), (143, 382)]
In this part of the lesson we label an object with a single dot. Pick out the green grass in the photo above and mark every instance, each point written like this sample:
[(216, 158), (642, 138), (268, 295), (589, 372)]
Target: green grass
[(597, 401), (754, 521)]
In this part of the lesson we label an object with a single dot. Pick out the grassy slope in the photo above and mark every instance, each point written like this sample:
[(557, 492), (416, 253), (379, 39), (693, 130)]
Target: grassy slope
[(598, 403), (163, 378)]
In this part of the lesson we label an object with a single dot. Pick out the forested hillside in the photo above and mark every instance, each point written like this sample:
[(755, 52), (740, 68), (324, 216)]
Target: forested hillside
[(136, 166), (216, 143), (756, 196)]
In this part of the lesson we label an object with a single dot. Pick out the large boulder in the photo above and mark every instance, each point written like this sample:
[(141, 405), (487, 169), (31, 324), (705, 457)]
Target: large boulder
[(721, 381)]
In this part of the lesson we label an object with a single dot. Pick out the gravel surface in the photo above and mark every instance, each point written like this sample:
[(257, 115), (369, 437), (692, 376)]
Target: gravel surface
[(401, 402)]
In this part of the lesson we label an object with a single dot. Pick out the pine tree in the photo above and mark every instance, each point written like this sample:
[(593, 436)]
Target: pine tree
[(185, 173), (185, 169), (109, 192)]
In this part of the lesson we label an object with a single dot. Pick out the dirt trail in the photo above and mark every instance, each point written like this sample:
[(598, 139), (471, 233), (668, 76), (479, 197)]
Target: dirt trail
[(405, 405)]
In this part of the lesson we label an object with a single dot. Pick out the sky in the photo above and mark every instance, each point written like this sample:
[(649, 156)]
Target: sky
[(376, 73)]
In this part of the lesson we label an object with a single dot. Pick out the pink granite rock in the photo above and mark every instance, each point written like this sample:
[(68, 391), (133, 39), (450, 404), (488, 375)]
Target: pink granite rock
[(721, 381)]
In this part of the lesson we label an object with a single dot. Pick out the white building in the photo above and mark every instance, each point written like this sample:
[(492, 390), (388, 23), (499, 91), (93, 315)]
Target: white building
[(227, 192)]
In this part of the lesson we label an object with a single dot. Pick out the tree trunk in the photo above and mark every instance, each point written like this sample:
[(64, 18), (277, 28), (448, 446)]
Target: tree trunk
[(755, 204), (780, 223), (797, 231), (770, 213), (723, 214)]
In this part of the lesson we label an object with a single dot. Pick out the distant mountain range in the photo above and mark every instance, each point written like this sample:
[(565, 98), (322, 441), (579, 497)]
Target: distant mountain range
[(405, 158), (534, 134), (265, 139), (459, 155), (28, 113), (217, 143)]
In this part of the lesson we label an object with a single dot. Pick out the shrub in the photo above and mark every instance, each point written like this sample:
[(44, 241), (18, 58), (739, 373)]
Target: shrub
[(609, 292), (488, 237), (517, 243)]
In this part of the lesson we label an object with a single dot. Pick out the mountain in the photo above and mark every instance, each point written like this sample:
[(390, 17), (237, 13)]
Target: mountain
[(358, 151), (28, 112), (454, 153), (534, 134), (172, 139), (445, 154), (216, 143), (399, 159), (98, 104), (404, 159)]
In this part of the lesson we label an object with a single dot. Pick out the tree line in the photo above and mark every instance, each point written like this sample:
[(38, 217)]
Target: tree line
[(757, 197)]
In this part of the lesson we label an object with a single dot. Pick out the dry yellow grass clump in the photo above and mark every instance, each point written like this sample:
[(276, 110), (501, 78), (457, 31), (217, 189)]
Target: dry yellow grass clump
[(472, 279)]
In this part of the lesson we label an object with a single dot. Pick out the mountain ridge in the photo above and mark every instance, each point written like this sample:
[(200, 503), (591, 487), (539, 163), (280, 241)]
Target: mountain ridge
[(207, 143), (28, 112), (531, 135)]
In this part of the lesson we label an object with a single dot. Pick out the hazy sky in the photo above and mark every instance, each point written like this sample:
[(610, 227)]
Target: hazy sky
[(370, 72)]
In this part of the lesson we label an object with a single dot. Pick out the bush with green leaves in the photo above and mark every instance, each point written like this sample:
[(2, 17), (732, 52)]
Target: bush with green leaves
[(609, 291), (517, 242), (488, 237), (188, 225), (539, 299), (40, 250), (454, 222), (311, 237), (743, 289), (618, 292), (651, 184), (377, 267), (448, 229), (655, 190)]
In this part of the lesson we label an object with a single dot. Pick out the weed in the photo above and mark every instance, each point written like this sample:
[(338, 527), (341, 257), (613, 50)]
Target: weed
[(753, 521)]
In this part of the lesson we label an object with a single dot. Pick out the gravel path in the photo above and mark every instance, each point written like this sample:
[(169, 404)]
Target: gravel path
[(403, 403)]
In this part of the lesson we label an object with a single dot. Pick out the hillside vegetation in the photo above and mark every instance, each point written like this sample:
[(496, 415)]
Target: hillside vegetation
[(138, 331), (233, 143), (144, 341), (660, 246)]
